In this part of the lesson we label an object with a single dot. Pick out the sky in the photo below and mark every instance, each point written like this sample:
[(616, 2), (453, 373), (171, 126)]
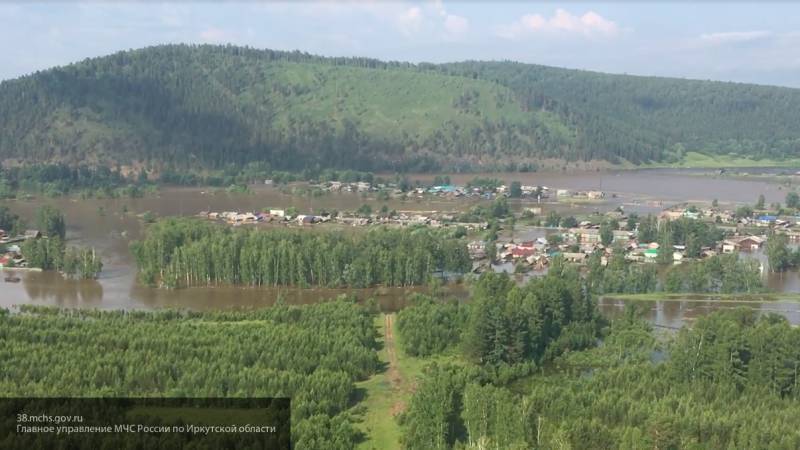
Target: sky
[(752, 42)]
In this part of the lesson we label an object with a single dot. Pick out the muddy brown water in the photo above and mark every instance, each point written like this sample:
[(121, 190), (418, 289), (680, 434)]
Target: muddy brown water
[(110, 225)]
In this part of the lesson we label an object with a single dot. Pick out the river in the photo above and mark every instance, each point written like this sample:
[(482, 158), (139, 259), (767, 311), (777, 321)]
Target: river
[(110, 225)]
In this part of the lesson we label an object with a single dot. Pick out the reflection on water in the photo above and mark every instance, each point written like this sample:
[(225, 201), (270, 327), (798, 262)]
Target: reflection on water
[(676, 313), (110, 225), (51, 288)]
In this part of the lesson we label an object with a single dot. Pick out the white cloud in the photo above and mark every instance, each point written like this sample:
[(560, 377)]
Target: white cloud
[(562, 22), (410, 20), (733, 37), (456, 25)]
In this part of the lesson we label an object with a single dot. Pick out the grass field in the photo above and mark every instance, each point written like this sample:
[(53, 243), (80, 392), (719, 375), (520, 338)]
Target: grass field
[(386, 394), (694, 160)]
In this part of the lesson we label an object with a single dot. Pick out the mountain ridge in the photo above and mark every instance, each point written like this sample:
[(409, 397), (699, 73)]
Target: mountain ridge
[(206, 106)]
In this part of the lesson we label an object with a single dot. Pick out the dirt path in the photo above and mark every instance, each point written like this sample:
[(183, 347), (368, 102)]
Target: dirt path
[(393, 372)]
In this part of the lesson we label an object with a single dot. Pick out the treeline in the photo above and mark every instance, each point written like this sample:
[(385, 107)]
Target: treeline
[(187, 252), (727, 274), (59, 179), (505, 327), (51, 253), (652, 118), (313, 354), (729, 381), (210, 106), (780, 255)]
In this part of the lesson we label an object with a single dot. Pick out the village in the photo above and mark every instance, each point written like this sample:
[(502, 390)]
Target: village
[(572, 239), (577, 244), (11, 253), (485, 188)]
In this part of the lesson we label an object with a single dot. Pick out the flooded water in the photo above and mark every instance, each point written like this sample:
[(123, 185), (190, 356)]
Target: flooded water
[(669, 185), (110, 225), (673, 314)]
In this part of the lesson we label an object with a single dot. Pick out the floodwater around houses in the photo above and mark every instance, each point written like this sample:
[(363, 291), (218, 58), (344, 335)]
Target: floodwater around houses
[(110, 225)]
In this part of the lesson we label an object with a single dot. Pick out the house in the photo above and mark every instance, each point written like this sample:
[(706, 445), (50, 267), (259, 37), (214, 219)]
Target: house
[(33, 234), (477, 249), (729, 246), (538, 262), (751, 243), (635, 255), (587, 236), (245, 218), (519, 252), (650, 254), (563, 193), (277, 212), (268, 182), (303, 219), (691, 214), (574, 257), (766, 220), (526, 245), (671, 215), (595, 195), (5, 261), (622, 235), (475, 246), (746, 243)]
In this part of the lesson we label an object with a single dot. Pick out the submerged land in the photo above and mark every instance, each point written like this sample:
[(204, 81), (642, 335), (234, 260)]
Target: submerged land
[(468, 255)]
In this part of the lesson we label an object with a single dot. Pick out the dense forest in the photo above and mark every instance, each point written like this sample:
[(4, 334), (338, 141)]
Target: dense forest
[(186, 252), (529, 366), (540, 371), (312, 354), (176, 106)]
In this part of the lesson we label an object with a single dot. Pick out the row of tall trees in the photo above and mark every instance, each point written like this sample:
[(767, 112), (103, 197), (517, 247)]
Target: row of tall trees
[(780, 255), (313, 354), (187, 252), (726, 274)]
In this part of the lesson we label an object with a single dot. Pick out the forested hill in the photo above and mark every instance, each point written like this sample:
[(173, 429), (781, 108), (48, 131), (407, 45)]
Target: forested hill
[(211, 106)]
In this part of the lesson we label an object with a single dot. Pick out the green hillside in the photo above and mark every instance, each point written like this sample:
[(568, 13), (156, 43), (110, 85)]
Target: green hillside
[(211, 106)]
